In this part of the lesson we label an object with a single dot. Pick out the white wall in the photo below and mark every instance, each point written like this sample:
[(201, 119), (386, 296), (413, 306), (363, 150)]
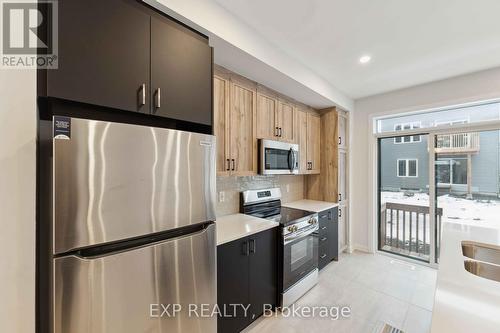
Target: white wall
[(17, 200), (241, 49), (463, 89)]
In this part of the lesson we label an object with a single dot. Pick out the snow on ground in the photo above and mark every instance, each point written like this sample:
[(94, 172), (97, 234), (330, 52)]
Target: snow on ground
[(460, 210)]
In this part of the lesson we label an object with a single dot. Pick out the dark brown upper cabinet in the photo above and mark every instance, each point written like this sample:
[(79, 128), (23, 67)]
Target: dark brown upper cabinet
[(181, 73), (124, 55), (104, 55)]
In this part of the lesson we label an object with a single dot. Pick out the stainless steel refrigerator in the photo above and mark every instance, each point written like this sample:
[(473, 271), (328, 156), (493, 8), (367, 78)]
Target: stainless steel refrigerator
[(132, 228)]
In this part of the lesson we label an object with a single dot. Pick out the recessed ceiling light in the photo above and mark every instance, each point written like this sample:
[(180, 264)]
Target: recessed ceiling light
[(365, 59)]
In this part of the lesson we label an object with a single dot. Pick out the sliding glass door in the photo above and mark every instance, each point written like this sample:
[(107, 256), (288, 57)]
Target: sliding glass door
[(434, 168), (467, 179), (404, 215)]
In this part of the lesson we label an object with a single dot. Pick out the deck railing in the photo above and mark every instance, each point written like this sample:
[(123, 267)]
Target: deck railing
[(405, 229), (457, 143)]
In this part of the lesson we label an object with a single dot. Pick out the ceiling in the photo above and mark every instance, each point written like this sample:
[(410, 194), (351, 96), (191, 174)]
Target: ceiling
[(410, 42)]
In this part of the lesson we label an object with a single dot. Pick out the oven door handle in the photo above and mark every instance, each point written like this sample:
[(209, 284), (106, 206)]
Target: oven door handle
[(294, 237)]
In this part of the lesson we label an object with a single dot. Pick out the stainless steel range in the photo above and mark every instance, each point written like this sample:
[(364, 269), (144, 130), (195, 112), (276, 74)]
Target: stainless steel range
[(298, 262)]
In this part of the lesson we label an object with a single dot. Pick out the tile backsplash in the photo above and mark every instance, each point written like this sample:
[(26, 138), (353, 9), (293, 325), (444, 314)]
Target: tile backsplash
[(232, 186)]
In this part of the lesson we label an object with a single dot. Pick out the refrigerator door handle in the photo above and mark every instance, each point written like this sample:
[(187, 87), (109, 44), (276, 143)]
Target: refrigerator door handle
[(106, 250)]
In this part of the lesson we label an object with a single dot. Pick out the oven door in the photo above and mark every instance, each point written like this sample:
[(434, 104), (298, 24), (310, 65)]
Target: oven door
[(278, 158), (300, 256)]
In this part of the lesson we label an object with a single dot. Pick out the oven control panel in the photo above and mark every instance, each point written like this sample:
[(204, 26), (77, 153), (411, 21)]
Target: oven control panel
[(306, 224)]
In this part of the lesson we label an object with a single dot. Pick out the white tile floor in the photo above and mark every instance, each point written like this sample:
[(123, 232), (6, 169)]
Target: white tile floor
[(378, 289)]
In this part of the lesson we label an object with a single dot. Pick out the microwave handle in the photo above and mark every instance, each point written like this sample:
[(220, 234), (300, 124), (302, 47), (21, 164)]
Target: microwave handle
[(291, 159)]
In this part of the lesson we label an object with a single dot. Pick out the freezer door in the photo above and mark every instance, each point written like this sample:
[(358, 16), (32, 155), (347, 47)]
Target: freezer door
[(114, 181), (124, 292)]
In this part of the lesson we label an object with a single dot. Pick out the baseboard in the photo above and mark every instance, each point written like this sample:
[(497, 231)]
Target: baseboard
[(361, 248)]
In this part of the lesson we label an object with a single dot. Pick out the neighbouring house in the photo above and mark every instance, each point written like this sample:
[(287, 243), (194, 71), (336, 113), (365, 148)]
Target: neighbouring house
[(466, 163)]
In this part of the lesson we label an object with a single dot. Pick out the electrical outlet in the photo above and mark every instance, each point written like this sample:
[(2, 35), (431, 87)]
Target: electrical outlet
[(221, 196)]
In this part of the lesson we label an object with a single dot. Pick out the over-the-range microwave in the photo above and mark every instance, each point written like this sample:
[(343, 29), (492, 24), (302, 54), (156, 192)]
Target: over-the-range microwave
[(278, 158)]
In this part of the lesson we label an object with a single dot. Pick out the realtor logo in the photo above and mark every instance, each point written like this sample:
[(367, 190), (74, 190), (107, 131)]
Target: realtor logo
[(29, 34)]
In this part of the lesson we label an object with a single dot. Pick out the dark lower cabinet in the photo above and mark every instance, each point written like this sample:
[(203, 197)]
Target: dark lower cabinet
[(233, 276), (328, 248), (247, 275)]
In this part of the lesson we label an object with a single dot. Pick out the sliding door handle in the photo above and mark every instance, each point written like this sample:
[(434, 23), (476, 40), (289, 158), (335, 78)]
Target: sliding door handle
[(142, 94)]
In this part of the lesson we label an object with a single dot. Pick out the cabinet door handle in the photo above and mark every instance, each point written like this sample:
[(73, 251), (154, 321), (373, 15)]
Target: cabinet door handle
[(330, 215), (279, 131), (340, 140), (323, 228), (142, 94), (253, 247), (228, 164), (323, 239), (245, 248), (340, 212), (340, 196), (233, 164), (323, 256), (276, 131), (158, 98)]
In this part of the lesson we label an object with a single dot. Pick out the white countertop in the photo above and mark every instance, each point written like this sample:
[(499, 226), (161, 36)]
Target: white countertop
[(235, 226), (311, 205), (465, 303)]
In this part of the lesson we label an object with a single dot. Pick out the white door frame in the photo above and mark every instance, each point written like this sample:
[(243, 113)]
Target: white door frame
[(374, 155)]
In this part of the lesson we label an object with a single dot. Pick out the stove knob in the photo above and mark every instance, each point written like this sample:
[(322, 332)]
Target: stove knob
[(290, 228), (295, 228), (313, 221)]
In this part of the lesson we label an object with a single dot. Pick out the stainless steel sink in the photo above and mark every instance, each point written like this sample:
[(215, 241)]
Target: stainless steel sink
[(481, 252), (482, 269)]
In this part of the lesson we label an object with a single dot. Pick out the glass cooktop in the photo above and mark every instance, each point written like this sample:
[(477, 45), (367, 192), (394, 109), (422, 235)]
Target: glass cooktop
[(282, 215)]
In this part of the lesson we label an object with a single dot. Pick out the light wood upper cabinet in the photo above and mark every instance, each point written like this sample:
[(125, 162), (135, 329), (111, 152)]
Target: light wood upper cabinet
[(234, 126), (221, 122), (342, 129), (301, 118), (308, 137), (313, 142), (285, 121), (275, 118), (267, 107), (243, 114), (243, 152)]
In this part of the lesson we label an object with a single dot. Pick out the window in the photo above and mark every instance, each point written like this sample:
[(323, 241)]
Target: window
[(408, 168), (451, 123), (408, 138), (451, 116), (451, 171)]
